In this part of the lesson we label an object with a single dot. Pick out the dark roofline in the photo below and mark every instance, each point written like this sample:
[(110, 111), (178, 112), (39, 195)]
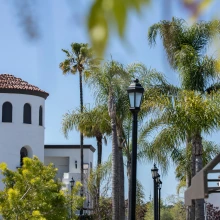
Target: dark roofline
[(26, 92), (62, 146)]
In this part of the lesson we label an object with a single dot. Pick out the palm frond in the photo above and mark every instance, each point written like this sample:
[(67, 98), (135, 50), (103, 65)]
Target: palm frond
[(80, 58), (91, 123), (185, 47), (181, 185)]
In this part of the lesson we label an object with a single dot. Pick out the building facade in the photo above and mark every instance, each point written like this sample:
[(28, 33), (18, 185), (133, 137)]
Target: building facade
[(22, 111)]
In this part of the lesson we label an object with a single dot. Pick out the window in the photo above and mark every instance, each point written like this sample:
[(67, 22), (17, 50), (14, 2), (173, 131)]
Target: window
[(23, 153), (7, 112), (40, 116), (27, 114)]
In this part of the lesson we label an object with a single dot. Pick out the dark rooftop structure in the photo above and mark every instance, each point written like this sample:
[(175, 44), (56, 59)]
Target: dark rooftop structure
[(62, 146)]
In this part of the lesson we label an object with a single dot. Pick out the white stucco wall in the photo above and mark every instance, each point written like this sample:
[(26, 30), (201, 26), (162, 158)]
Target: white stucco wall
[(60, 156), (16, 135), (73, 154)]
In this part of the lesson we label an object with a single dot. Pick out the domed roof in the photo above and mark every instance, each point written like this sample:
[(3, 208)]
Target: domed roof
[(12, 84)]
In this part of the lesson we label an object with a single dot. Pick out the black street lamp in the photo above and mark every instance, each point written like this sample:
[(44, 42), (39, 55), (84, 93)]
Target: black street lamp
[(135, 93), (72, 181), (159, 189), (157, 198), (154, 172)]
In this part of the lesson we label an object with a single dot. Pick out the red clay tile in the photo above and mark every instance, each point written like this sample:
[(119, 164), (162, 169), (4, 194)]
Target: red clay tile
[(8, 81)]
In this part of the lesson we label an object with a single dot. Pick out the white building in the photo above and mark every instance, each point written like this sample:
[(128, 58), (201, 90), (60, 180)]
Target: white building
[(22, 131)]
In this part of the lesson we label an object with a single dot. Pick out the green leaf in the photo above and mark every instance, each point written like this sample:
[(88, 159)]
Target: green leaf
[(98, 28), (120, 13), (109, 13)]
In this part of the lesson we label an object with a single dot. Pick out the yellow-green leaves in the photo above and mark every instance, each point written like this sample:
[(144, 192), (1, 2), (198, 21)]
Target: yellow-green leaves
[(196, 112), (183, 114), (75, 200), (12, 194), (36, 215), (3, 166), (106, 14), (32, 193)]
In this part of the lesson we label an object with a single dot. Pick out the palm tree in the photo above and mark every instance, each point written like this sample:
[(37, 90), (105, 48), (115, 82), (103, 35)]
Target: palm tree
[(78, 60), (110, 85), (110, 77), (179, 118), (185, 48), (92, 123)]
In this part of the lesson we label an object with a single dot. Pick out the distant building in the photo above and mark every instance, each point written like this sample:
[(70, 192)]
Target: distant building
[(22, 127)]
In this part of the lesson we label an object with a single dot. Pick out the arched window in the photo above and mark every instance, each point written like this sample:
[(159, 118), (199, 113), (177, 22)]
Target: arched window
[(7, 112), (27, 114), (40, 116), (23, 153)]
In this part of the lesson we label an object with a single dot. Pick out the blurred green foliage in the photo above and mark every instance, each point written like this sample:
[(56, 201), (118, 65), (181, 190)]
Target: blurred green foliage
[(106, 14)]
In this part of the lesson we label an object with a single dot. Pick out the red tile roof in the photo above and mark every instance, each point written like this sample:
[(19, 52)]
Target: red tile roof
[(12, 84)]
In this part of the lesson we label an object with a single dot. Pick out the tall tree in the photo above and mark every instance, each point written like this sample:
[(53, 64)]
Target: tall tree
[(78, 60), (185, 48), (108, 84)]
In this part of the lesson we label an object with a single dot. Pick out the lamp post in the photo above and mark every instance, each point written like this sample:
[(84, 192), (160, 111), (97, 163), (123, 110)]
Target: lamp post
[(154, 172), (157, 198), (135, 93), (159, 189), (72, 181)]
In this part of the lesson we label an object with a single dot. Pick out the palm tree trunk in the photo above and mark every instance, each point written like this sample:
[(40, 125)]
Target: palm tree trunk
[(121, 174), (99, 146), (188, 179), (197, 151), (121, 186), (115, 158), (193, 162), (81, 134), (99, 161), (190, 210)]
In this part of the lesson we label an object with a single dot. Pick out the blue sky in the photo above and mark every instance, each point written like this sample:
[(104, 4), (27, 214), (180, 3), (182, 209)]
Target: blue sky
[(63, 22)]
